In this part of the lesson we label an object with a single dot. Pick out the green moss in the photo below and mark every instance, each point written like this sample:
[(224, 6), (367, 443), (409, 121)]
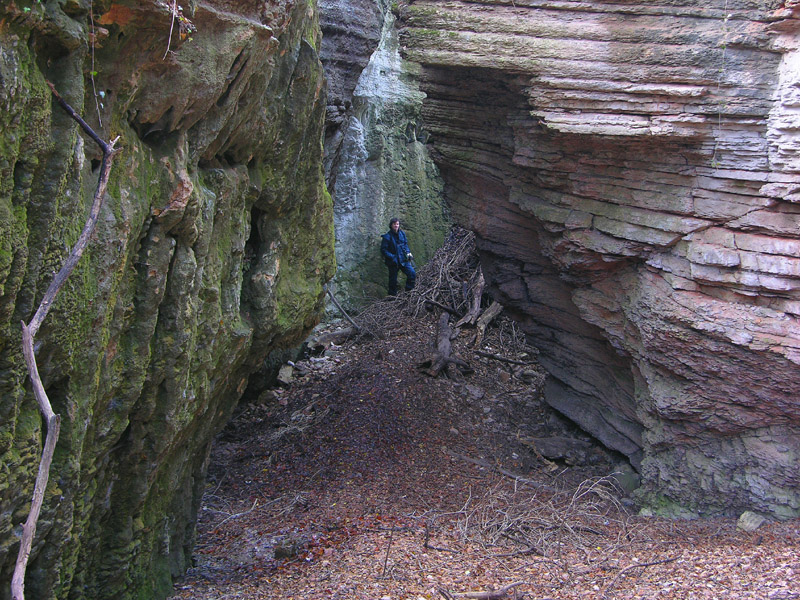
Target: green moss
[(662, 505), (7, 226), (424, 34), (421, 12), (146, 350)]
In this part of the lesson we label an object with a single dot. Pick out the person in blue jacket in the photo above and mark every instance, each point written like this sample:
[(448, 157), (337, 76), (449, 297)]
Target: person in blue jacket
[(397, 255)]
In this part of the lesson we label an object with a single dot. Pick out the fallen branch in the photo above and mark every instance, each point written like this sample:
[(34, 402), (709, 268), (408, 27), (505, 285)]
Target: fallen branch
[(444, 307), (526, 552), (635, 566), (483, 322), (504, 359), (489, 595), (29, 331)]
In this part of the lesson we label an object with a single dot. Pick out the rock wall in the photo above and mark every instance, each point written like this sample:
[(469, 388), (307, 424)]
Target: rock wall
[(211, 250), (632, 173), (377, 163)]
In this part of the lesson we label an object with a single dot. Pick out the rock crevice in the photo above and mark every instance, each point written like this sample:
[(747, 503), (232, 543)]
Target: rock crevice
[(376, 159)]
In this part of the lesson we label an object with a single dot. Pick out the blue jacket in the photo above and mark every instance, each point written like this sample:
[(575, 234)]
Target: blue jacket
[(395, 248)]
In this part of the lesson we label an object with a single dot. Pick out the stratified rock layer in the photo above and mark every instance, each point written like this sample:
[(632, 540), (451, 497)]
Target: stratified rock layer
[(632, 173), (211, 250)]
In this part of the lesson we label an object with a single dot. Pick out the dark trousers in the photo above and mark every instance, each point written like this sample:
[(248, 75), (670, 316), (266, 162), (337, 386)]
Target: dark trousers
[(411, 277)]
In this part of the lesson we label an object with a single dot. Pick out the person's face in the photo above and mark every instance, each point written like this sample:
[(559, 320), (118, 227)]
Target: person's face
[(396, 226)]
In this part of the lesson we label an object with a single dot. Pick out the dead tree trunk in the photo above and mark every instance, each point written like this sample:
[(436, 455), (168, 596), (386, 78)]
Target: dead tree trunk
[(442, 359), (475, 307), (483, 322)]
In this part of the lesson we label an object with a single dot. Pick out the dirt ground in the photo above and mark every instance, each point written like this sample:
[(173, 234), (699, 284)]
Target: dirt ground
[(365, 478)]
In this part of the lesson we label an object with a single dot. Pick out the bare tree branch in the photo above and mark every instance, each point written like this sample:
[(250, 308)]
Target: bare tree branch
[(613, 582), (341, 310), (52, 420)]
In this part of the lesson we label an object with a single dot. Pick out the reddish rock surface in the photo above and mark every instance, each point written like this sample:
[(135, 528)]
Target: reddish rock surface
[(632, 173)]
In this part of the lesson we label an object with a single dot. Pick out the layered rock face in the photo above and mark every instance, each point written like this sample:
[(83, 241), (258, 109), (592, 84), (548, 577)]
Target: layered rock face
[(632, 172), (377, 163), (211, 250)]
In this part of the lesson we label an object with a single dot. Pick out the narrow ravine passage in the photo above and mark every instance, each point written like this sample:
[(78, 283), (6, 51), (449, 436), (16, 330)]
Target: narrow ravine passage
[(364, 478)]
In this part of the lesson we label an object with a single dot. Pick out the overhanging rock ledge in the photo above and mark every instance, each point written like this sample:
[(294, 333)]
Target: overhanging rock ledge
[(632, 172)]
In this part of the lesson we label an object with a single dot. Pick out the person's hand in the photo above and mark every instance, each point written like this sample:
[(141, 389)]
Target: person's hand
[(409, 256)]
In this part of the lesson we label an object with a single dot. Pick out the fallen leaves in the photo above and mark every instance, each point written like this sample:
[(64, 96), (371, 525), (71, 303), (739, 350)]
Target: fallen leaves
[(357, 469)]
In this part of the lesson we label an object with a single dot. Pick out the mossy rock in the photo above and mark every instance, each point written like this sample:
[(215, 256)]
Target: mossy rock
[(151, 342)]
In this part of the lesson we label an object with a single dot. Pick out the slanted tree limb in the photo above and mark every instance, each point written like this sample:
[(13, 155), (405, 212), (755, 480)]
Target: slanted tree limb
[(53, 421), (495, 308), (475, 306), (341, 310)]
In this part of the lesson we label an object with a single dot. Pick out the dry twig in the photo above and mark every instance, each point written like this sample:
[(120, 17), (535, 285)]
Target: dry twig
[(388, 547), (241, 514), (487, 595), (52, 420), (547, 522), (613, 582), (505, 359)]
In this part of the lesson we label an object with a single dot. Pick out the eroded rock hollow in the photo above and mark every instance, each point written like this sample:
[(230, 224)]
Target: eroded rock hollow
[(633, 174), (212, 249)]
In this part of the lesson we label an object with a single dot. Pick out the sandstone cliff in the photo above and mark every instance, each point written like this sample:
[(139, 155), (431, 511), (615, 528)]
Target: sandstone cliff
[(211, 251), (632, 172)]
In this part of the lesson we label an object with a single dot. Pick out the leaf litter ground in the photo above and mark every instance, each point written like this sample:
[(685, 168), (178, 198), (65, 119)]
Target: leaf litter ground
[(366, 479)]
